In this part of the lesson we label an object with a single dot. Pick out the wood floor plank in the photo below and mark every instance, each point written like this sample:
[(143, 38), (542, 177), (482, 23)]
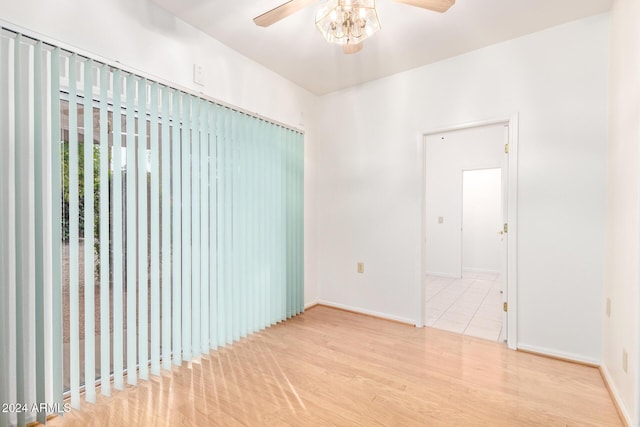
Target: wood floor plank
[(330, 367)]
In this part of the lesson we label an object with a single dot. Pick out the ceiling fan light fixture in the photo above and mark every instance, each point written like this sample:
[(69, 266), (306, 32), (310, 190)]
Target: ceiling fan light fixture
[(347, 21)]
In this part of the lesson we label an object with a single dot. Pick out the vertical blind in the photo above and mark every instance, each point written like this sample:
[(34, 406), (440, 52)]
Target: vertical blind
[(141, 226)]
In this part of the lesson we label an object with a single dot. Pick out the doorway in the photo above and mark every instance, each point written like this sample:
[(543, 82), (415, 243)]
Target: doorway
[(469, 230), (481, 222)]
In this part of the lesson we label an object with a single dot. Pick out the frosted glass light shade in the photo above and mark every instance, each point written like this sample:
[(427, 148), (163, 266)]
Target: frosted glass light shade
[(347, 21)]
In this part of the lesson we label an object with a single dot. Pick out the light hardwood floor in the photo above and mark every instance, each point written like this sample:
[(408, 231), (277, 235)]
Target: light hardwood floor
[(329, 367)]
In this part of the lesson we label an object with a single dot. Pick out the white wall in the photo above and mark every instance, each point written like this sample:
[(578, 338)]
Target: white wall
[(447, 155), (369, 176), (622, 282), (481, 220), (139, 34)]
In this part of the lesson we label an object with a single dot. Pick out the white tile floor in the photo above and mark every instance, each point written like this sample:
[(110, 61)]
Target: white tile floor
[(471, 305)]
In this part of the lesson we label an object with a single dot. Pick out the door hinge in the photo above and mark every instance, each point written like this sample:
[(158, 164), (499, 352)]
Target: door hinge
[(505, 306), (506, 148), (505, 227)]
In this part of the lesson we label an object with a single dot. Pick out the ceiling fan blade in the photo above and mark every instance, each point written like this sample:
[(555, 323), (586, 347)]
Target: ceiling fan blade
[(349, 49), (281, 12), (435, 5)]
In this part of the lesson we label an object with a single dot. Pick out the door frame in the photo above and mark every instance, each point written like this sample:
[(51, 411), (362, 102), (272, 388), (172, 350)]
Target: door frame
[(512, 215)]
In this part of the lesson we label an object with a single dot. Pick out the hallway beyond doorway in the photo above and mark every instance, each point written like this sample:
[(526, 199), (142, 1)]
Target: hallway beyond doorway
[(471, 305)]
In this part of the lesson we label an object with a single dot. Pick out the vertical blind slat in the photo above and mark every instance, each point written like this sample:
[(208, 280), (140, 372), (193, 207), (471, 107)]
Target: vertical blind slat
[(105, 341), (38, 207), (176, 246), (89, 313), (4, 227), (242, 216), (74, 318), (166, 232), (155, 231), (251, 226), (213, 231), (220, 327), (195, 227), (262, 229), (204, 227), (233, 226), (143, 235), (118, 249), (222, 246), (56, 233), (228, 225), (186, 227), (20, 277), (130, 234)]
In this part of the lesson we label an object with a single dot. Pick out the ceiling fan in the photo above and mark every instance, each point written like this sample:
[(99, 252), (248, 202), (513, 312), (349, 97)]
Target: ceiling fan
[(345, 22)]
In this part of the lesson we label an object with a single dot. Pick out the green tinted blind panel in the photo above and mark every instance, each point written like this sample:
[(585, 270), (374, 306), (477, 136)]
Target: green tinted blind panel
[(22, 146), (300, 213), (143, 234), (176, 227), (265, 229), (298, 219), (234, 226), (252, 216), (89, 286), (235, 192), (243, 217), (213, 227), (221, 131), (186, 227), (105, 341), (56, 232), (274, 225), (228, 226), (203, 302), (4, 229), (19, 191), (259, 239), (195, 227), (154, 231), (166, 229), (74, 212), (118, 236), (130, 234), (294, 218), (281, 221), (39, 111), (289, 221)]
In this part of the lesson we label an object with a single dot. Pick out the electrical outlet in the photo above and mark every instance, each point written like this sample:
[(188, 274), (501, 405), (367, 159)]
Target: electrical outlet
[(440, 220), (625, 360), (608, 307), (361, 267)]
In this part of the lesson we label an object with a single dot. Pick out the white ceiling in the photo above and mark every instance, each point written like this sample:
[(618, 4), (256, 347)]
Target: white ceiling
[(410, 36)]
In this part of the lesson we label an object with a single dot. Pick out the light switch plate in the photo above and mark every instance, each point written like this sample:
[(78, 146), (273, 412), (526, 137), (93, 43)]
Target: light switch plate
[(198, 74)]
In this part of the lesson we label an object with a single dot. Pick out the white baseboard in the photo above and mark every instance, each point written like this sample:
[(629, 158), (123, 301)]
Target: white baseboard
[(559, 354), (480, 270), (310, 304), (446, 275), (368, 312), (616, 396)]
